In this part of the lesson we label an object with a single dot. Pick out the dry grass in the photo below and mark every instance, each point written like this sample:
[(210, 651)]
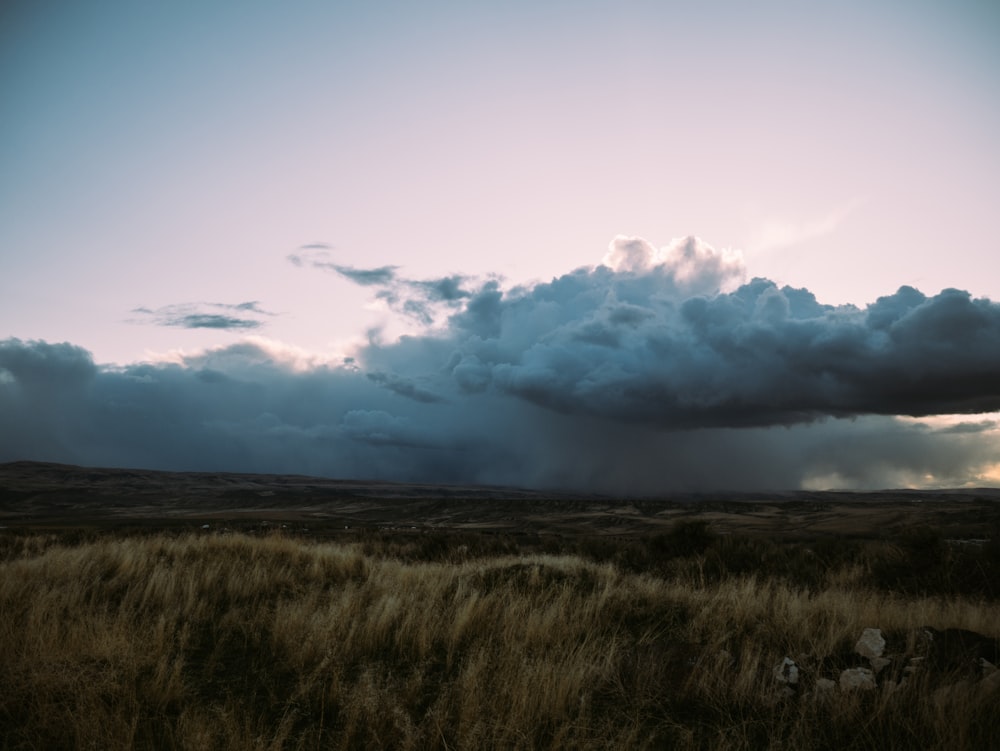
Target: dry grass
[(239, 642)]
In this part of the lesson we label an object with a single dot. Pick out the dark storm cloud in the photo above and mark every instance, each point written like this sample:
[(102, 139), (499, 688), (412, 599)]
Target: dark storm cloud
[(979, 426), (404, 387), (35, 363), (379, 428), (656, 372), (42, 388), (237, 408), (233, 317), (240, 408), (604, 344)]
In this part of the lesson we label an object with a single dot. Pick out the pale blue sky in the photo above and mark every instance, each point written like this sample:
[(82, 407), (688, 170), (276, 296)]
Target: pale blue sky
[(166, 153), (179, 176)]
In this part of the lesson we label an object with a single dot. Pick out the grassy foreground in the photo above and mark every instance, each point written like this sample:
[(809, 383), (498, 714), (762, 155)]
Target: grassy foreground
[(233, 641)]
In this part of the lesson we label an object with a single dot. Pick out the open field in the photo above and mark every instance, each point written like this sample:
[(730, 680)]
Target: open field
[(37, 495), (464, 618)]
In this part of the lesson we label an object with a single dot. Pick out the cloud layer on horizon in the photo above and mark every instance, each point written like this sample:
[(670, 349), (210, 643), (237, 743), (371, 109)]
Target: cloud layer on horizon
[(658, 370)]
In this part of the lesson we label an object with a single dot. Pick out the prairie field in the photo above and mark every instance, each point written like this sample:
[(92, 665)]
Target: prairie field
[(264, 638)]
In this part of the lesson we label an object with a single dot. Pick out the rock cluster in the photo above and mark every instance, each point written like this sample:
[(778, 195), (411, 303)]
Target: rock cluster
[(953, 663)]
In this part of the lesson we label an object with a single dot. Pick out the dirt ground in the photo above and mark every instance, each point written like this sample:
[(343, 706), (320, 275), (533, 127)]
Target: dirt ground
[(37, 495)]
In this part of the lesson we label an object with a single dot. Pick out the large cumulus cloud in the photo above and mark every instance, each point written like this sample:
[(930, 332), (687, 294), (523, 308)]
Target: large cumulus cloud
[(599, 343), (661, 369)]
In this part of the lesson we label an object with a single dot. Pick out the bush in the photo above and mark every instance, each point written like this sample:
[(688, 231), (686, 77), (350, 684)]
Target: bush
[(687, 537)]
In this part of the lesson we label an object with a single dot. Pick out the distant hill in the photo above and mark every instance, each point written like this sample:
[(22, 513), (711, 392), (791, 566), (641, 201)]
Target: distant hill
[(39, 493)]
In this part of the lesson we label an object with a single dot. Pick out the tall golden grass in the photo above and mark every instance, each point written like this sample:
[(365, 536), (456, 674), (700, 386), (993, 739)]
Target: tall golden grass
[(242, 642)]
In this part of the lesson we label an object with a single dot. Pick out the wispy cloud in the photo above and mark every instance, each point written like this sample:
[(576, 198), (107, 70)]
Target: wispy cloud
[(318, 256), (313, 254), (205, 315), (377, 277), (776, 234), (422, 300)]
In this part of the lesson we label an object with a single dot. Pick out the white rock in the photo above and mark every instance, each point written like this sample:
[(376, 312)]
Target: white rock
[(854, 679), (787, 672), (871, 644)]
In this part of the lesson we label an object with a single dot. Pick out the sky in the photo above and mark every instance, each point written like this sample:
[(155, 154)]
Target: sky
[(621, 247)]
